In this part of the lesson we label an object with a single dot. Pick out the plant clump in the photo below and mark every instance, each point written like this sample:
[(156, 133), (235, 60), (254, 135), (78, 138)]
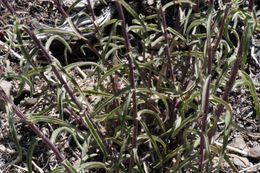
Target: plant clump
[(129, 86)]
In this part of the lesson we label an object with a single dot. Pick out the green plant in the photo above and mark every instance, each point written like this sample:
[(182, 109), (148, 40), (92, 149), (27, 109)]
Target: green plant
[(156, 105)]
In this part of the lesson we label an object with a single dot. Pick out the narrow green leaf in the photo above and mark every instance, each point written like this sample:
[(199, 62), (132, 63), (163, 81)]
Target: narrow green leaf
[(145, 112), (82, 64), (59, 169), (251, 86), (110, 99), (228, 121), (58, 131), (157, 94), (154, 144), (170, 155), (73, 27), (176, 33), (137, 161), (111, 71), (132, 12), (205, 89), (91, 165), (32, 146), (95, 134), (13, 132), (69, 166), (60, 39), (60, 98)]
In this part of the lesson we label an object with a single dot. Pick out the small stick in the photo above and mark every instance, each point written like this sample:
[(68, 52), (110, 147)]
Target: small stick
[(249, 169), (236, 150)]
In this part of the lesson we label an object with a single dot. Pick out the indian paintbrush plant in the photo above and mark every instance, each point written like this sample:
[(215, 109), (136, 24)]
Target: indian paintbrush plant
[(152, 98)]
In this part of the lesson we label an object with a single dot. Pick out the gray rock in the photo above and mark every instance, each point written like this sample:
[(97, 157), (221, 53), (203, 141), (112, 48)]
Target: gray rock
[(254, 152)]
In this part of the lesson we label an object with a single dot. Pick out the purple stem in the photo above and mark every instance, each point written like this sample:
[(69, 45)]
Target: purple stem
[(49, 59), (34, 128), (232, 78), (167, 48), (132, 81)]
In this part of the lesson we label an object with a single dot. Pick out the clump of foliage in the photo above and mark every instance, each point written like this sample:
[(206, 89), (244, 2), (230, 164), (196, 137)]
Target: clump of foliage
[(161, 85)]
